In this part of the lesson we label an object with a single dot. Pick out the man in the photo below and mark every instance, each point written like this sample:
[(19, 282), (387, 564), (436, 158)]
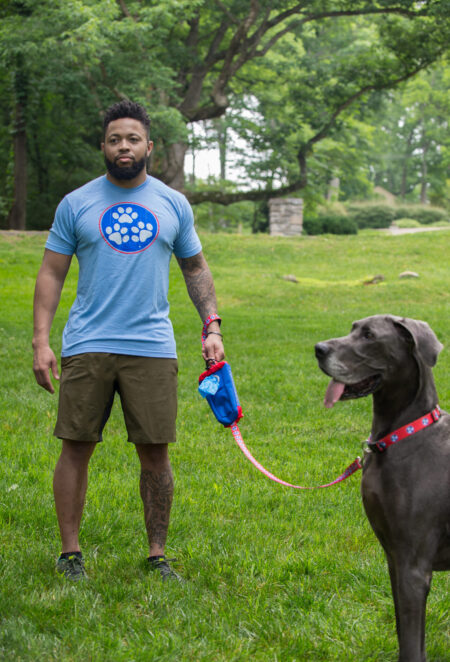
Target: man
[(123, 227)]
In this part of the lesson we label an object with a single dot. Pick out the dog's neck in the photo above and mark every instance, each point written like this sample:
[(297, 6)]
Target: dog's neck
[(404, 399)]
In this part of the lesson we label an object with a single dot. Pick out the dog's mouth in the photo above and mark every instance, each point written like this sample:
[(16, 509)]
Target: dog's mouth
[(339, 391)]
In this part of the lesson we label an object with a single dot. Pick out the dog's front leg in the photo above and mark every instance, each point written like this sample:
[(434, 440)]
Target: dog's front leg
[(410, 587)]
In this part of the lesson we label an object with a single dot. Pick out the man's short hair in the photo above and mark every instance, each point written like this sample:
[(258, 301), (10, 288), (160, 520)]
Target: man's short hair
[(126, 108)]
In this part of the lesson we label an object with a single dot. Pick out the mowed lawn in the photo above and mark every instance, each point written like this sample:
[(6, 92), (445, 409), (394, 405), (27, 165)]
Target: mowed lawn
[(273, 573)]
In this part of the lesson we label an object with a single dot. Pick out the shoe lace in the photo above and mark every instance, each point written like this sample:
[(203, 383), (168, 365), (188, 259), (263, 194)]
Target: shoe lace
[(75, 564), (163, 566)]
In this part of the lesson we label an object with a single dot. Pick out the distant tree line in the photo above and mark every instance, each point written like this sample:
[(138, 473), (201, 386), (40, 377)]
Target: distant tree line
[(313, 88)]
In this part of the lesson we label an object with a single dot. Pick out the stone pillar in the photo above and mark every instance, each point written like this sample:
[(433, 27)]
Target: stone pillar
[(285, 217)]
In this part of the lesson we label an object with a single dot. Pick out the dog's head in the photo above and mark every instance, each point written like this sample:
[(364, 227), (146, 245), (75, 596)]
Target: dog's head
[(373, 353)]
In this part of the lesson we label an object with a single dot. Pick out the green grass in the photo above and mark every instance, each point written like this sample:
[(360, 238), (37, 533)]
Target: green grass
[(274, 574)]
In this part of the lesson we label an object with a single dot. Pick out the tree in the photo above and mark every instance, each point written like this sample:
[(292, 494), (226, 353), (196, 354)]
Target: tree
[(412, 138), (39, 43), (196, 61)]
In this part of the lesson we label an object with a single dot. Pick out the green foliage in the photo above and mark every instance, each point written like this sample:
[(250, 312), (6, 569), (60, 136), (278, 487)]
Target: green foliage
[(261, 215), (423, 214), (301, 85), (407, 223), (329, 224), (411, 138), (213, 217), (372, 215)]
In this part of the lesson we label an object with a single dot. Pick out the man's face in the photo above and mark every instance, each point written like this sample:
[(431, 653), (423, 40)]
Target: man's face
[(126, 149)]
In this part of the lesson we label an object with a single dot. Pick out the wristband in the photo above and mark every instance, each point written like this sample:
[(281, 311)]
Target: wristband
[(207, 322)]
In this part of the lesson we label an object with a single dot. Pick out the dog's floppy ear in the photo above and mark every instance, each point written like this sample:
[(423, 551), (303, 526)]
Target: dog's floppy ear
[(423, 338)]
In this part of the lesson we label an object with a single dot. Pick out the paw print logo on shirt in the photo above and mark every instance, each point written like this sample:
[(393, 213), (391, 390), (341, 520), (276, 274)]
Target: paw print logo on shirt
[(129, 227)]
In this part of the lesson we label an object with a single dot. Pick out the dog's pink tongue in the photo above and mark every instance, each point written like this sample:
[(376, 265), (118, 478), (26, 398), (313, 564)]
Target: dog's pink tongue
[(334, 392)]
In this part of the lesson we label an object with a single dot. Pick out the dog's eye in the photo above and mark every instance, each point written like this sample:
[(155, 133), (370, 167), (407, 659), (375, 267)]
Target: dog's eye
[(368, 335)]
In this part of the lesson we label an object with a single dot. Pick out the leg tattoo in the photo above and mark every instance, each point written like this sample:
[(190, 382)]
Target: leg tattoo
[(157, 492)]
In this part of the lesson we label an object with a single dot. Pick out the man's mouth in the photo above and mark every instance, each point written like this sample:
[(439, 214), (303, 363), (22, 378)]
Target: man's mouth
[(339, 391), (124, 159)]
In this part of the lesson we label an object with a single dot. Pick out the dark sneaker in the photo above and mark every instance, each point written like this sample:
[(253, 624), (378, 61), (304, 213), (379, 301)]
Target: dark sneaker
[(71, 567), (161, 564)]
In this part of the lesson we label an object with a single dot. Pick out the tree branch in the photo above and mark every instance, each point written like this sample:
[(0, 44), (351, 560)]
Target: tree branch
[(126, 12), (224, 198), (367, 88), (243, 48)]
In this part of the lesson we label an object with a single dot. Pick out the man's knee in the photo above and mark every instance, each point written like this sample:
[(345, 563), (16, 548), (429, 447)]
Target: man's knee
[(77, 451), (153, 456)]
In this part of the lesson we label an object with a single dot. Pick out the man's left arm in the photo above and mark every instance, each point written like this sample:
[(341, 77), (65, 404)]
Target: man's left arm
[(200, 286)]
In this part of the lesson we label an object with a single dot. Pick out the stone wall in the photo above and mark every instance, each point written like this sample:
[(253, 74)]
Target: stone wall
[(285, 217)]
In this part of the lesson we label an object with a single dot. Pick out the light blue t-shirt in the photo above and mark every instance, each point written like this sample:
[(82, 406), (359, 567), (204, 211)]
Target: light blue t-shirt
[(123, 239)]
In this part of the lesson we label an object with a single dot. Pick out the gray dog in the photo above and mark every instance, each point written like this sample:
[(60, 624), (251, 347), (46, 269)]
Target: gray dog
[(406, 474)]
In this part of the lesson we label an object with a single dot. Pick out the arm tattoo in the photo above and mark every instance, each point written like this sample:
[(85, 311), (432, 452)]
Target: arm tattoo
[(156, 492), (199, 283)]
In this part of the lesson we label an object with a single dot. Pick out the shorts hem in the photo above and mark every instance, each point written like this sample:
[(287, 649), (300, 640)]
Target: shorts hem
[(147, 442), (78, 438)]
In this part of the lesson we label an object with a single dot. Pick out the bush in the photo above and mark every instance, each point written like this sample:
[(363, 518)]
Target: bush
[(330, 224), (260, 220), (213, 217), (312, 226), (422, 214), (372, 215), (407, 223)]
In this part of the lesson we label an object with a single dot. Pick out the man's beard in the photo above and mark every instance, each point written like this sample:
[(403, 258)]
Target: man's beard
[(125, 172)]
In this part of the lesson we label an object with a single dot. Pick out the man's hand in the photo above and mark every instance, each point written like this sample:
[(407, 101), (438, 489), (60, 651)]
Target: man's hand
[(44, 362), (213, 347)]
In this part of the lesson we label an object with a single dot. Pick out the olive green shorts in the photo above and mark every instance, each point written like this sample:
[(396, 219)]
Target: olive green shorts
[(147, 388)]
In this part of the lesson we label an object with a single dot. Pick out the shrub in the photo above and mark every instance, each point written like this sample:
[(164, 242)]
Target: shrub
[(407, 223), (330, 224), (422, 214), (372, 215), (312, 225), (214, 217)]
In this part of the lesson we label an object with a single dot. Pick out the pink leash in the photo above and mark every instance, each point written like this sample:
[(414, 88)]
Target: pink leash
[(381, 445), (355, 466)]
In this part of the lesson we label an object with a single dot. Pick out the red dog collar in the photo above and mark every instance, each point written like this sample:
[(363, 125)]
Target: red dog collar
[(406, 431)]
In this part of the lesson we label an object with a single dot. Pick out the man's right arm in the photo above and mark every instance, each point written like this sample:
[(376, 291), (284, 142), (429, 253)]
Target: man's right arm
[(49, 284)]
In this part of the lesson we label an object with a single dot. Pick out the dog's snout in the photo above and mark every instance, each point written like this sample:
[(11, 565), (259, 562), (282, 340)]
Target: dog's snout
[(322, 349)]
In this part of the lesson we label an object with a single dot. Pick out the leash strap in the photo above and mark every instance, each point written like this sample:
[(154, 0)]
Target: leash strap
[(355, 466)]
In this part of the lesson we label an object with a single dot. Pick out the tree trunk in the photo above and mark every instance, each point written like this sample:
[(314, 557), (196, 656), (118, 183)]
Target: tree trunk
[(424, 182), (18, 215), (168, 164), (221, 133), (405, 165)]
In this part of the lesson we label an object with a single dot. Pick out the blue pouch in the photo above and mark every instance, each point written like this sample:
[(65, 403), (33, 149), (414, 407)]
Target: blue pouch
[(217, 386)]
